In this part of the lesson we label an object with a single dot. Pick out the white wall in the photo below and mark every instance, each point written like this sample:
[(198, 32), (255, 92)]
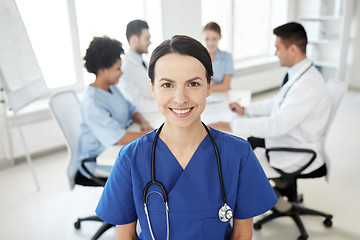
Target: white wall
[(259, 80), (181, 17), (41, 133)]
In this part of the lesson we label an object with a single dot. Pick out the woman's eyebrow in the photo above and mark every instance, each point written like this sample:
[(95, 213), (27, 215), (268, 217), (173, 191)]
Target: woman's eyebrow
[(195, 78), (190, 80)]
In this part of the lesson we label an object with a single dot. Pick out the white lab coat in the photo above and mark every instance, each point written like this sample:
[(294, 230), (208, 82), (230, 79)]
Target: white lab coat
[(134, 85), (298, 120)]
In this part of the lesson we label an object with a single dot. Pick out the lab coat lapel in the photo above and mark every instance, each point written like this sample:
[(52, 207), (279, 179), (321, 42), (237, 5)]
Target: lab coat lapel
[(288, 85), (297, 75), (138, 65)]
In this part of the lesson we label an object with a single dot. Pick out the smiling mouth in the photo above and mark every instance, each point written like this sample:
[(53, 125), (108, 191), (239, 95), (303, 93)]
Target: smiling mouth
[(181, 111)]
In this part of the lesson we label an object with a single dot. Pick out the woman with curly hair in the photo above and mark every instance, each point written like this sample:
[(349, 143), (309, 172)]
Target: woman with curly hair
[(106, 113)]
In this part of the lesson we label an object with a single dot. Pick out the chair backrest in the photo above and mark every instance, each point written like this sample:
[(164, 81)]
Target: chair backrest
[(65, 107), (336, 89)]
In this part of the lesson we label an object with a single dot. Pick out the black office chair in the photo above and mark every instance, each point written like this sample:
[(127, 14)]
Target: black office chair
[(286, 184), (65, 108)]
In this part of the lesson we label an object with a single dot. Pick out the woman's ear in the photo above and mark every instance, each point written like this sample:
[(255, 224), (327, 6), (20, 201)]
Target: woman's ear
[(152, 89), (210, 86)]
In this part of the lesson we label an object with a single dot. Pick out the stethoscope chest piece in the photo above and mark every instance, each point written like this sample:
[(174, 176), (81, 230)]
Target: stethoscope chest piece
[(225, 213)]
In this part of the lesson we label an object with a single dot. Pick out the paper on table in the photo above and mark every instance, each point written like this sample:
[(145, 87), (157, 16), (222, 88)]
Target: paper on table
[(242, 97), (211, 99), (219, 117)]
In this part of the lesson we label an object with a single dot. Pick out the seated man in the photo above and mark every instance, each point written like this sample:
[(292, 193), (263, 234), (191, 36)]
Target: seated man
[(295, 117), (134, 84), (106, 113)]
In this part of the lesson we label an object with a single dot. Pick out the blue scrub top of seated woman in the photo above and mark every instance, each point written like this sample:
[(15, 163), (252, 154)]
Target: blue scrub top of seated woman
[(105, 118), (194, 193), (222, 65)]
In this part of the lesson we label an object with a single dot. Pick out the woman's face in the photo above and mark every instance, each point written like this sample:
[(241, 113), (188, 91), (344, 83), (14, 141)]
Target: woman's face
[(114, 72), (180, 89), (211, 40)]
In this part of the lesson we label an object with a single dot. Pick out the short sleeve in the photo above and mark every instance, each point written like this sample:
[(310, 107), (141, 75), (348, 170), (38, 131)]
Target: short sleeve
[(255, 194), (105, 128), (229, 68), (116, 205)]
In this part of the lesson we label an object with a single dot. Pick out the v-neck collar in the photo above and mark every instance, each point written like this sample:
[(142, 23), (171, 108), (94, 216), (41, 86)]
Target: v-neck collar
[(174, 173), (192, 157)]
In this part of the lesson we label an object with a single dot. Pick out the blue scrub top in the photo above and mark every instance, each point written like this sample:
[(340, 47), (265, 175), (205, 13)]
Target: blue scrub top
[(222, 65), (194, 193), (105, 118)]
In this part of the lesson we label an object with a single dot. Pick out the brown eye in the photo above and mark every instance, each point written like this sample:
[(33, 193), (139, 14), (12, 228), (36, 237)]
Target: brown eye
[(167, 85), (194, 84)]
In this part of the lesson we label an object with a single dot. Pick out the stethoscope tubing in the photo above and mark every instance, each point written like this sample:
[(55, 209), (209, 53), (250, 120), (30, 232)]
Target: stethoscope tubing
[(153, 181), (218, 163)]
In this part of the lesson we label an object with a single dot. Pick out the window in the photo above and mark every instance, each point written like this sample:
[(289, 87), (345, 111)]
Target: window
[(49, 33), (57, 29), (251, 30), (246, 25), (110, 17), (219, 11)]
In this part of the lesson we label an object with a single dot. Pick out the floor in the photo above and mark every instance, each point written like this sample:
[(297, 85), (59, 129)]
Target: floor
[(50, 213)]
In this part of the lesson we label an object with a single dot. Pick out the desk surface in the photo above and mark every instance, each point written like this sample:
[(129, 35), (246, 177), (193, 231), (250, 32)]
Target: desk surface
[(217, 109)]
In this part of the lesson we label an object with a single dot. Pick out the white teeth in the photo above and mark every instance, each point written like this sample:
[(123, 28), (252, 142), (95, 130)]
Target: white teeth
[(181, 111)]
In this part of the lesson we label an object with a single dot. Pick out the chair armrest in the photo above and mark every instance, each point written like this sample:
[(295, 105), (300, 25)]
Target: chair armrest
[(294, 150), (93, 177)]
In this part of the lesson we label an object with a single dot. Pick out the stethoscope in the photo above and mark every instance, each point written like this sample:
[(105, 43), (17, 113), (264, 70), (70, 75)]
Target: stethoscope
[(287, 90), (225, 212)]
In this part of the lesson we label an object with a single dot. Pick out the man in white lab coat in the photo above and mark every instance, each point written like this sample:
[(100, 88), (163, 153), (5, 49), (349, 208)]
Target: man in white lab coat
[(134, 83), (295, 117)]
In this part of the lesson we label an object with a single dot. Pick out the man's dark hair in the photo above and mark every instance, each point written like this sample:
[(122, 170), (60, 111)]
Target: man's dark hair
[(135, 27), (292, 33), (102, 52), (183, 45)]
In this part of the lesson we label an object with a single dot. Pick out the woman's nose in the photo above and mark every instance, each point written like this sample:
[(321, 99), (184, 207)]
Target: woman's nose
[(180, 96)]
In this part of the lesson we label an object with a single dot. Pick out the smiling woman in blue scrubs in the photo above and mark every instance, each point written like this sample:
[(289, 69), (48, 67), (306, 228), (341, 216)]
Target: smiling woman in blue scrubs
[(184, 161)]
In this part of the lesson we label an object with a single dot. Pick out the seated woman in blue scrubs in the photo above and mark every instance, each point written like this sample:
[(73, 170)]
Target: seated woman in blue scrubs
[(185, 162), (222, 62), (106, 113)]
